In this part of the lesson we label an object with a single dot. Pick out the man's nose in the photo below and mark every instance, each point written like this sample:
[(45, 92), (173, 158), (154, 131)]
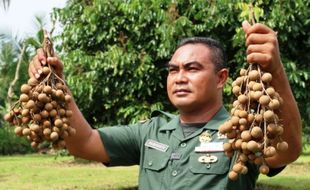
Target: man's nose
[(181, 77)]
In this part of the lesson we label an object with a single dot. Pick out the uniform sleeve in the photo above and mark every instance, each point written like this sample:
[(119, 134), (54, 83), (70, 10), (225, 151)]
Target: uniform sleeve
[(123, 143)]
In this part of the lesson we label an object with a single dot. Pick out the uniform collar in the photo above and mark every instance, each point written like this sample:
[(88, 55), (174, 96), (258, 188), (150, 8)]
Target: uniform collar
[(213, 124)]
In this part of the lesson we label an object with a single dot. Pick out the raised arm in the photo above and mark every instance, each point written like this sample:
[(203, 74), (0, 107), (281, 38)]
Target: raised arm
[(86, 143), (262, 48)]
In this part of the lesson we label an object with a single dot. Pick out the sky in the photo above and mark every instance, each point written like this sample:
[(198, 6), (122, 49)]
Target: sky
[(19, 19)]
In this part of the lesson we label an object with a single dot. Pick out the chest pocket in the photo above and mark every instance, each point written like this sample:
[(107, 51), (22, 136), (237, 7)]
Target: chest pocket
[(220, 166), (154, 159)]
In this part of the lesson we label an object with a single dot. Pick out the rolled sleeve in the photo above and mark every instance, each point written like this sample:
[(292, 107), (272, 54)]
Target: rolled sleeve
[(122, 144)]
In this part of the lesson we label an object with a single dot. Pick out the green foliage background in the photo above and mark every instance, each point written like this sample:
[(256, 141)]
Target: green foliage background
[(115, 51)]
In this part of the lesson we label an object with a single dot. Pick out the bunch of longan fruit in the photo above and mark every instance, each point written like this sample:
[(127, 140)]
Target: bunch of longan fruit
[(41, 114), (254, 130)]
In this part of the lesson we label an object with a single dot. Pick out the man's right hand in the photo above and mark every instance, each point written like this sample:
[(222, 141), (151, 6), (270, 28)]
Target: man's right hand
[(39, 60)]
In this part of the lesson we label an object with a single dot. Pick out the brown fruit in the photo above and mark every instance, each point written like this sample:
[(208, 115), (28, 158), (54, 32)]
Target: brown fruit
[(23, 98), (242, 99), (264, 100), (47, 89), (237, 168), (274, 104), (46, 70), (18, 130), (25, 112), (233, 175), (25, 88), (256, 132), (270, 91), (236, 90), (33, 82), (270, 151), (8, 117), (68, 98), (257, 94), (44, 114), (282, 146), (266, 77), (253, 75), (34, 127), (42, 97), (227, 147), (47, 131), (69, 113), (26, 131), (257, 87), (246, 135), (58, 123), (53, 113), (54, 136), (48, 107), (264, 169), (253, 146), (268, 115)]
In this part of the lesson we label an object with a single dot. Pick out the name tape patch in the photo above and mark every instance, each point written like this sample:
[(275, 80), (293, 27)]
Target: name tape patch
[(156, 145)]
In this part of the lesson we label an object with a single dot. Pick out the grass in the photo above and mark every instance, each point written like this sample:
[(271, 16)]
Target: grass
[(295, 176), (44, 172), (38, 172)]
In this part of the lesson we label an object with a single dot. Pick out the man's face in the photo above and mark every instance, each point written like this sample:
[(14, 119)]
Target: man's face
[(192, 81)]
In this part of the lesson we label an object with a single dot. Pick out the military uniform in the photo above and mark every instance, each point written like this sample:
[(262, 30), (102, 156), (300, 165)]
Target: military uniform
[(168, 160)]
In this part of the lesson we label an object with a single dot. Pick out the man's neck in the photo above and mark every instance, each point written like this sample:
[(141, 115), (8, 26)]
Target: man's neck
[(201, 115)]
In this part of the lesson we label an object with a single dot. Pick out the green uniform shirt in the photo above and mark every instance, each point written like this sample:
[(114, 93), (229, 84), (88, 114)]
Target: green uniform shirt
[(168, 160)]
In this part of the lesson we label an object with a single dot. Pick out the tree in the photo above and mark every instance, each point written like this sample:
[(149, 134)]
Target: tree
[(115, 51)]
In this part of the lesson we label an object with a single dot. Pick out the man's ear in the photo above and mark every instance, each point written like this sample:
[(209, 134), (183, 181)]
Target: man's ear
[(222, 77)]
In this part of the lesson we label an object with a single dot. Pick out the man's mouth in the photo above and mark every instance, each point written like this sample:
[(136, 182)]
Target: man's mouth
[(181, 91)]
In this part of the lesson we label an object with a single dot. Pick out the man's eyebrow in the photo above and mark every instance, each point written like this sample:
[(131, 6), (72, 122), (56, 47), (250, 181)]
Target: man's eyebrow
[(188, 64), (193, 63), (170, 64)]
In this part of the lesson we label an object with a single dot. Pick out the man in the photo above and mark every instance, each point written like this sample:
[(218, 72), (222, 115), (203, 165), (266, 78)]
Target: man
[(165, 146)]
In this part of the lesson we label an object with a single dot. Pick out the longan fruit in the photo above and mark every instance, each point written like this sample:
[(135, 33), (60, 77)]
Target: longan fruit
[(25, 88), (266, 77), (264, 169), (253, 75), (46, 70), (242, 99), (18, 130), (264, 100), (237, 168), (233, 175), (54, 136), (256, 132), (282, 146), (24, 98), (246, 135)]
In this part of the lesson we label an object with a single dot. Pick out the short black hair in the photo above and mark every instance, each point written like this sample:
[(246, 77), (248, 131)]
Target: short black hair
[(218, 55)]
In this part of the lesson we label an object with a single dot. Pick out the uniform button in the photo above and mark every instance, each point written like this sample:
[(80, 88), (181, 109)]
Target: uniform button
[(174, 173), (183, 145), (150, 163)]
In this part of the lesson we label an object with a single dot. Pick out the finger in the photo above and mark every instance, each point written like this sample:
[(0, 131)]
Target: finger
[(256, 38), (245, 26), (258, 48), (54, 61), (37, 66), (262, 59), (41, 56), (32, 70), (259, 28)]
